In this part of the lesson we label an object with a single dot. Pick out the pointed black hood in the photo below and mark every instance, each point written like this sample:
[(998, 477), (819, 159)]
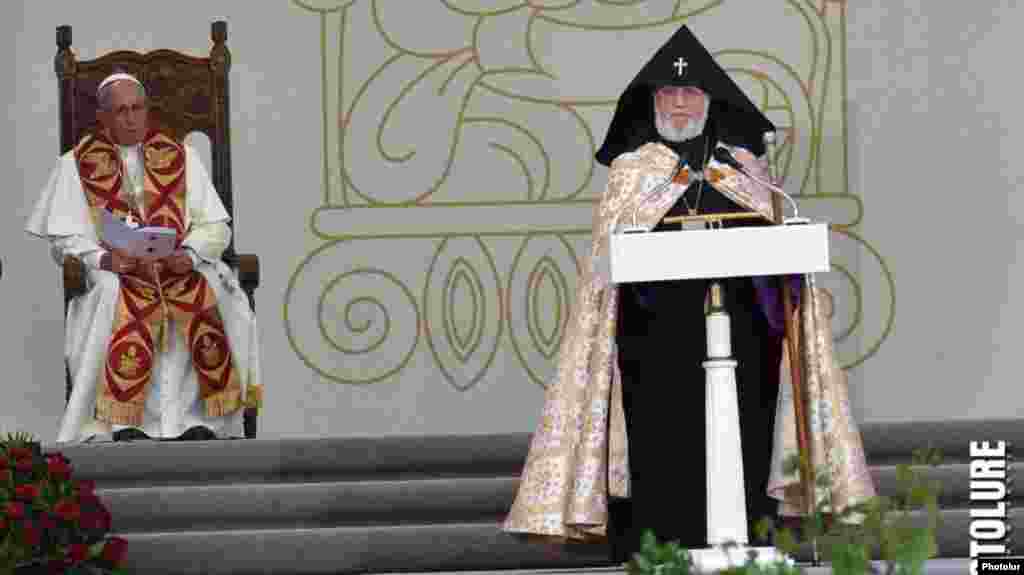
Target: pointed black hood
[(732, 117)]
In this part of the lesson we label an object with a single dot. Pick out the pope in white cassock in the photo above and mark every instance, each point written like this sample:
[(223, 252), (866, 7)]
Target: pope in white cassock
[(159, 349)]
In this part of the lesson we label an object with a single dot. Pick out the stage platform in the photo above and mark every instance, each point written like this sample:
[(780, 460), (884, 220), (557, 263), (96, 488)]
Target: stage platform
[(934, 567), (406, 504)]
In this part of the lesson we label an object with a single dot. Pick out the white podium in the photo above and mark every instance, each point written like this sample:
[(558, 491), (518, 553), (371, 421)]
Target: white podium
[(709, 254), (720, 253)]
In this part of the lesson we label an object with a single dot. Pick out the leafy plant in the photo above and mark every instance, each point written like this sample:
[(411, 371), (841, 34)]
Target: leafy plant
[(882, 526), (49, 522), (657, 558)]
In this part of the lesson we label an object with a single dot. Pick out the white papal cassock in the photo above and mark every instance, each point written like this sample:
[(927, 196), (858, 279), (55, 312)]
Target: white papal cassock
[(61, 216)]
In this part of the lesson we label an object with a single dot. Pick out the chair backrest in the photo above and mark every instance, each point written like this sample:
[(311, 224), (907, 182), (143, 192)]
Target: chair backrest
[(186, 94)]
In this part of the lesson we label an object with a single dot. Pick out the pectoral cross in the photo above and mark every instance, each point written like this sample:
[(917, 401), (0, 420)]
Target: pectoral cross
[(680, 65)]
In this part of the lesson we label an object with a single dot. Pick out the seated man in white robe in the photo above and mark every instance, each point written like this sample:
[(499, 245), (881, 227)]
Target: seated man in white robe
[(156, 348)]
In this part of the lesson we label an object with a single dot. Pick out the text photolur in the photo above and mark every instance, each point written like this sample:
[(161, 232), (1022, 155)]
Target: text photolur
[(990, 527)]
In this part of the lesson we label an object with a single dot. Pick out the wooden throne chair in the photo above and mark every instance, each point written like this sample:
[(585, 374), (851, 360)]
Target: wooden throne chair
[(186, 94)]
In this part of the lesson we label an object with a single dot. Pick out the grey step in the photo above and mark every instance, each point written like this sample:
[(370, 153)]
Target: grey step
[(331, 503), (953, 535), (409, 548), (336, 503), (308, 505), (612, 570), (338, 459), (396, 504), (955, 480), (886, 443), (298, 460), (932, 567)]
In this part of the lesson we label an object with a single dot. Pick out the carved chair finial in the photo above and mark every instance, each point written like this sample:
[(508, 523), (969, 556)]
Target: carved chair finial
[(219, 32), (64, 62), (64, 37)]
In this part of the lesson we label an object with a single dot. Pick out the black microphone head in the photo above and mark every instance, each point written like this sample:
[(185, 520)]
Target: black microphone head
[(724, 156)]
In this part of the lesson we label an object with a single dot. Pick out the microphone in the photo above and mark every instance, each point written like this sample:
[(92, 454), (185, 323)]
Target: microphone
[(724, 156)]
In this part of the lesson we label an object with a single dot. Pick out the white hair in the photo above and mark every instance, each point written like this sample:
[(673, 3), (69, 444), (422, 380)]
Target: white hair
[(692, 129)]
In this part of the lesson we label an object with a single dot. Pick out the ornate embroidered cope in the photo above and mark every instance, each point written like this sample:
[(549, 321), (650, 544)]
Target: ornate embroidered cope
[(147, 303), (578, 452)]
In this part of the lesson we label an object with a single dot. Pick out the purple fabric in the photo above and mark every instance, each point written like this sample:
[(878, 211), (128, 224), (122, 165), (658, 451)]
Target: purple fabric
[(770, 297)]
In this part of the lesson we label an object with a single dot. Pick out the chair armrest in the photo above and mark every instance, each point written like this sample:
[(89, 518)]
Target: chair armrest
[(248, 266), (74, 277)]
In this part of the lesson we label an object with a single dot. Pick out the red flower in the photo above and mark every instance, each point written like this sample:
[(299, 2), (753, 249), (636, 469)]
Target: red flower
[(19, 453), (31, 535), (4, 462), (68, 510), (94, 521), (24, 465), (98, 520), (5, 475), (15, 510), (26, 492), (114, 550), (3, 524), (106, 521), (86, 486), (58, 467), (89, 501), (47, 522), (59, 566), (78, 552)]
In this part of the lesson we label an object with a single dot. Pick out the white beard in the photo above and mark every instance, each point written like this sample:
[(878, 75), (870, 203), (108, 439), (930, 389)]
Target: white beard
[(692, 129)]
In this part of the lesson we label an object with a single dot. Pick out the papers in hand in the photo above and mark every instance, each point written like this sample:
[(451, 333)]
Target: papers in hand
[(149, 243)]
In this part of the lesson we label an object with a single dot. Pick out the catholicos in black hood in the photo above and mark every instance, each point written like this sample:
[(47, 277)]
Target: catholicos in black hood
[(683, 61)]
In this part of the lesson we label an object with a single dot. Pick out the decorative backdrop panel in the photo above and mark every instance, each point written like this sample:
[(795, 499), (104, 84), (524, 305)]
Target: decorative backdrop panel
[(458, 178)]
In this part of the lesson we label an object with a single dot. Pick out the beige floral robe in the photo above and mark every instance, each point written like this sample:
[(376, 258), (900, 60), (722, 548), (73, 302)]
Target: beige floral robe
[(578, 455)]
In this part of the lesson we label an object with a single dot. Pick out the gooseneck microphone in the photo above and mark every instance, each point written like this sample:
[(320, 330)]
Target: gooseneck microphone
[(723, 155)]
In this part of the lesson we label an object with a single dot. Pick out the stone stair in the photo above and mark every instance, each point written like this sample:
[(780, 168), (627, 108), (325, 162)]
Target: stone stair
[(399, 504)]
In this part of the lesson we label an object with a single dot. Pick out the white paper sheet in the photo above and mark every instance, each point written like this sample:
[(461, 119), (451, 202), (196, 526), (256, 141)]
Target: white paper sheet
[(150, 242)]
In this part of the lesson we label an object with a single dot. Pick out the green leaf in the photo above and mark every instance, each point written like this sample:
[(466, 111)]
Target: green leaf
[(763, 528), (656, 558), (904, 474), (648, 541), (918, 495), (785, 541), (791, 465), (849, 559), (911, 550), (643, 564)]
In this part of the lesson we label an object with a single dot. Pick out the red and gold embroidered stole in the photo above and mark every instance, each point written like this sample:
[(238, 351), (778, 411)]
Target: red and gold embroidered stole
[(147, 302)]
